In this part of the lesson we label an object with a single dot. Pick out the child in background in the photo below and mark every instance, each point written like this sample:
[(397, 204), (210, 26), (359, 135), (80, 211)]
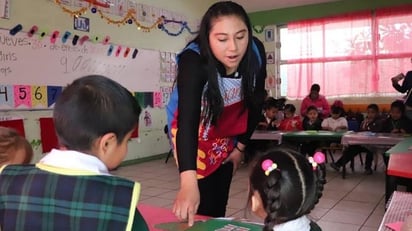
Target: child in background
[(71, 188), (397, 122), (285, 187), (336, 122), (311, 122), (291, 122), (271, 116), (14, 149), (372, 123)]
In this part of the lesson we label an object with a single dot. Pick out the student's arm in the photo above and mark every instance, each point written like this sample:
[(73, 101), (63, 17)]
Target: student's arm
[(190, 82)]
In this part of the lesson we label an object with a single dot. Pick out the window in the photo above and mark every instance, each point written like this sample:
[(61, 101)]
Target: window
[(351, 55)]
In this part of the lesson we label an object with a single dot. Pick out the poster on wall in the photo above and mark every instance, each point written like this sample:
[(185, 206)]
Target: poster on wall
[(4, 9)]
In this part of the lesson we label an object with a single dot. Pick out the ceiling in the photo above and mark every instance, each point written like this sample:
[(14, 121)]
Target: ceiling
[(263, 5)]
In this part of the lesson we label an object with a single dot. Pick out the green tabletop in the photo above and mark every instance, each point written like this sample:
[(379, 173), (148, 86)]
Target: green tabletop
[(313, 136), (404, 146)]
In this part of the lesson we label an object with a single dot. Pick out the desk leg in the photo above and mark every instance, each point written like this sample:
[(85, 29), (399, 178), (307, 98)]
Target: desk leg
[(390, 186)]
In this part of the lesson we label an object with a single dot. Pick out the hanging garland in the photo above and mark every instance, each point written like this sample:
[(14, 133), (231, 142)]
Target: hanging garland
[(258, 29), (129, 18), (183, 26), (75, 13)]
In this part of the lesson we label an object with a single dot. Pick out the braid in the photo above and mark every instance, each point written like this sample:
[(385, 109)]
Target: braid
[(273, 203), (320, 178)]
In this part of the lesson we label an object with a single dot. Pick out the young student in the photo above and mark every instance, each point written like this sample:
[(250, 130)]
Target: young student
[(397, 122), (214, 108), (270, 117), (291, 122), (372, 123), (284, 188), (71, 188), (311, 122), (14, 149), (336, 122)]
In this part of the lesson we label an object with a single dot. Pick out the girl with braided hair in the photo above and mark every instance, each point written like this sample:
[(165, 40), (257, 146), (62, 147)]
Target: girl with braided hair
[(284, 187)]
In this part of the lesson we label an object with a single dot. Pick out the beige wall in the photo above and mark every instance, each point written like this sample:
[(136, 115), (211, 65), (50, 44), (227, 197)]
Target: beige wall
[(46, 14)]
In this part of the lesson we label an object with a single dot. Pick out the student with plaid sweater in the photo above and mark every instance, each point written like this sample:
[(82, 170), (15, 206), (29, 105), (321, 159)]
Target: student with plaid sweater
[(71, 188)]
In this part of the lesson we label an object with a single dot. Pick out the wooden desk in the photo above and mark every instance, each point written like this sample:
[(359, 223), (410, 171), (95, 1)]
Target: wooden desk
[(399, 169), (398, 209), (267, 135), (370, 138)]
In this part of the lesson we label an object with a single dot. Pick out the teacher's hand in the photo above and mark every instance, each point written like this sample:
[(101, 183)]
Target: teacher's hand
[(235, 157), (188, 198)]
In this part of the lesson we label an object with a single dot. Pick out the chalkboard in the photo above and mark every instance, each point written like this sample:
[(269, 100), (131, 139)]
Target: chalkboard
[(35, 60)]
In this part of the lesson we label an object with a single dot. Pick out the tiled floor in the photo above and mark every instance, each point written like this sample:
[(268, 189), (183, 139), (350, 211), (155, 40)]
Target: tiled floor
[(354, 203)]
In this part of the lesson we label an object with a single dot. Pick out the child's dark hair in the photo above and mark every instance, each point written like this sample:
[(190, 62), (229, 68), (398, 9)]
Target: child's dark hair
[(311, 108), (337, 110), (374, 107), (290, 107), (291, 190), (269, 103), (90, 107), (399, 105)]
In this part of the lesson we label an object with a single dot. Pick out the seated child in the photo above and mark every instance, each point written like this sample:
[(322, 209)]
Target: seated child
[(284, 187), (311, 122), (271, 115), (371, 123), (397, 122), (71, 188), (14, 149), (291, 122), (336, 122)]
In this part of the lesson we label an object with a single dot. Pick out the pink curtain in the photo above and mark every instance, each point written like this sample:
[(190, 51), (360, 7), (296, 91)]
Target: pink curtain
[(349, 55)]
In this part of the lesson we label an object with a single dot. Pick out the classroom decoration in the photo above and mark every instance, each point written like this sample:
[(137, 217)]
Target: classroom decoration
[(167, 66), (258, 29), (64, 62), (16, 124), (48, 134), (4, 8), (129, 13)]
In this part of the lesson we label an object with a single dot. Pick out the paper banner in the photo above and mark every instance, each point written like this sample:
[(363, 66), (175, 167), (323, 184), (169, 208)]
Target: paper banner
[(39, 96), (47, 134), (6, 95), (157, 99), (148, 99), (22, 95), (17, 125), (52, 93), (139, 96)]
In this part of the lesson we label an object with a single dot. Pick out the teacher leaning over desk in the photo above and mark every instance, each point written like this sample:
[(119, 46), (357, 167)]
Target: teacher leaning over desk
[(405, 87)]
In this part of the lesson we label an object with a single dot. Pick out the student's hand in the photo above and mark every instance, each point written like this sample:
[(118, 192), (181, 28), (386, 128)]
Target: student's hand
[(403, 131), (395, 130), (188, 198)]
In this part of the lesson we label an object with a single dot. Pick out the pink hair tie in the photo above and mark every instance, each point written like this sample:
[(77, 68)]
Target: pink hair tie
[(318, 158), (268, 166)]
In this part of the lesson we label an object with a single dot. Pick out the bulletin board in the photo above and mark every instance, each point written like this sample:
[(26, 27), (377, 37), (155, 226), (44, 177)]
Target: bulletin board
[(43, 61)]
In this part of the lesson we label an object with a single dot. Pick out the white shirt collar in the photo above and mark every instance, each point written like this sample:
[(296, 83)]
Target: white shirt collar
[(302, 224), (74, 160)]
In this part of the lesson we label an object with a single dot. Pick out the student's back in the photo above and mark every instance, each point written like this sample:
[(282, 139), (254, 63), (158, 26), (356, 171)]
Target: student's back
[(71, 188)]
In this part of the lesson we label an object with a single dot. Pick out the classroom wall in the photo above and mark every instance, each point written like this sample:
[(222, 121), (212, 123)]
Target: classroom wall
[(46, 14)]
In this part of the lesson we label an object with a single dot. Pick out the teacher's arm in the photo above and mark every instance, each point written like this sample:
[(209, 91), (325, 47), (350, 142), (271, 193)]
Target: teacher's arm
[(190, 83), (406, 84)]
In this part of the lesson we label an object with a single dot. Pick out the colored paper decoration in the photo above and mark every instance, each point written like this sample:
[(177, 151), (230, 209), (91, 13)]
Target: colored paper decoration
[(48, 134), (39, 96), (22, 96), (7, 95), (52, 93), (157, 99), (15, 124)]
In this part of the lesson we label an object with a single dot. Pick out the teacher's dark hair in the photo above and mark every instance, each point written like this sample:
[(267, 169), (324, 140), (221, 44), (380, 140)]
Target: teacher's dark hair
[(248, 67)]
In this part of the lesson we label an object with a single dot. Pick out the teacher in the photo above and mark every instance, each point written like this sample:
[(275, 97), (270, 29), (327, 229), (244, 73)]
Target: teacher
[(405, 87), (214, 108)]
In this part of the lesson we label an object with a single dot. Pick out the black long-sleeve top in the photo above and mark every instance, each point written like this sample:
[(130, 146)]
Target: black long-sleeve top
[(405, 87), (191, 80)]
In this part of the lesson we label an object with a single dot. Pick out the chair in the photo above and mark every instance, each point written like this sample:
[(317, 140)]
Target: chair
[(352, 165)]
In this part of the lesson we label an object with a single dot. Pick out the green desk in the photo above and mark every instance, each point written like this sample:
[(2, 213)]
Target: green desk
[(305, 136), (401, 147)]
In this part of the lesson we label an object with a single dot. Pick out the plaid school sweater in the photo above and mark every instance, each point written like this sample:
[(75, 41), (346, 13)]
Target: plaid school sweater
[(34, 197)]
